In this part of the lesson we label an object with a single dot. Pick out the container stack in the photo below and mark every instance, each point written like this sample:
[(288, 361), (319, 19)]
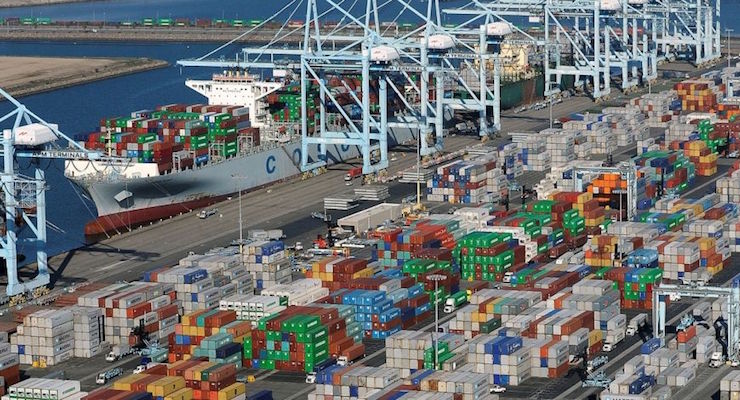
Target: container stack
[(409, 351), (357, 382), (729, 386), (316, 333), (635, 285), (89, 324), (728, 187), (397, 245), (689, 257), (488, 255), (670, 168), (601, 298), (658, 107), (336, 272), (298, 293), (604, 249), (173, 132), (534, 156), (9, 366), (467, 385), (561, 146), (660, 360), (197, 380), (503, 358), (489, 308), (127, 305), (508, 160), (204, 330), (249, 307), (700, 155), (463, 182), (201, 284), (698, 95), (635, 124), (686, 344), (734, 235), (376, 313), (267, 263), (46, 337), (603, 141), (57, 389), (637, 386)]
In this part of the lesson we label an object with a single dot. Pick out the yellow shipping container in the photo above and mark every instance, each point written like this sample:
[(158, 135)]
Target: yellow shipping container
[(232, 391), (595, 336), (125, 382), (182, 394), (198, 368), (165, 386)]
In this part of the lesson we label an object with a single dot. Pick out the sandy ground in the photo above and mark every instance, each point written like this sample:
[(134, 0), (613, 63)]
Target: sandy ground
[(26, 75), (23, 3)]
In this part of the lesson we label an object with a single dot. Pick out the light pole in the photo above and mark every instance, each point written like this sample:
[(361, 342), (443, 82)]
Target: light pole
[(241, 227), (436, 278), (728, 30)]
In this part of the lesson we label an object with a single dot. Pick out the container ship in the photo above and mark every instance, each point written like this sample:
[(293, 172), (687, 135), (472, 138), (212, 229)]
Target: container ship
[(178, 157)]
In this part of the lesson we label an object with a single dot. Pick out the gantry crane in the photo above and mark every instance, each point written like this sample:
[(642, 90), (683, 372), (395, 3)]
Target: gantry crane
[(732, 296), (24, 199)]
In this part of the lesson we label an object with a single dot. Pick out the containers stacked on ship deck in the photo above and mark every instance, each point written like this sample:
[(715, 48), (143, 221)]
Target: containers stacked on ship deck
[(395, 246), (298, 293), (299, 338), (355, 381), (49, 337), (211, 334), (268, 263), (699, 95), (126, 305), (37, 388), (250, 307), (173, 132), (464, 182), (658, 107), (183, 380), (336, 272)]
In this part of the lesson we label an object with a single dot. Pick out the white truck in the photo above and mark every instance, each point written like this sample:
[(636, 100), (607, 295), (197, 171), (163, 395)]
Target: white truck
[(118, 351), (716, 360), (612, 340), (636, 323), (106, 376)]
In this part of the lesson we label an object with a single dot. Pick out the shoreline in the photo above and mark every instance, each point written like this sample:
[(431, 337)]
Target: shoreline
[(35, 3), (116, 67)]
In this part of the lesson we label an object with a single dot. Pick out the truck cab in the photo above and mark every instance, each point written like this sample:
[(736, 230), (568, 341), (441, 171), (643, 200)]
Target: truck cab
[(636, 323), (100, 380), (507, 277), (716, 360), (454, 301), (311, 377)]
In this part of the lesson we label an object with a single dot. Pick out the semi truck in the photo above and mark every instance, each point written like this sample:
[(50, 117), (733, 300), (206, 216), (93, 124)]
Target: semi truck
[(119, 351), (350, 355), (105, 377), (353, 173), (454, 301), (637, 322)]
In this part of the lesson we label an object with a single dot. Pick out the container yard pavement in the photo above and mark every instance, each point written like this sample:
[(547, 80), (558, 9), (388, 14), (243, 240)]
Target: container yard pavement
[(23, 76)]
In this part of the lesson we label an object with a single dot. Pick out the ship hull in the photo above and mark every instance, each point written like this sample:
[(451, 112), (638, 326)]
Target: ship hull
[(159, 197)]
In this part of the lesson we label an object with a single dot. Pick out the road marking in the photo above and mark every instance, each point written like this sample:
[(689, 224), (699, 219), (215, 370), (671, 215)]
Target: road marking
[(106, 268)]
